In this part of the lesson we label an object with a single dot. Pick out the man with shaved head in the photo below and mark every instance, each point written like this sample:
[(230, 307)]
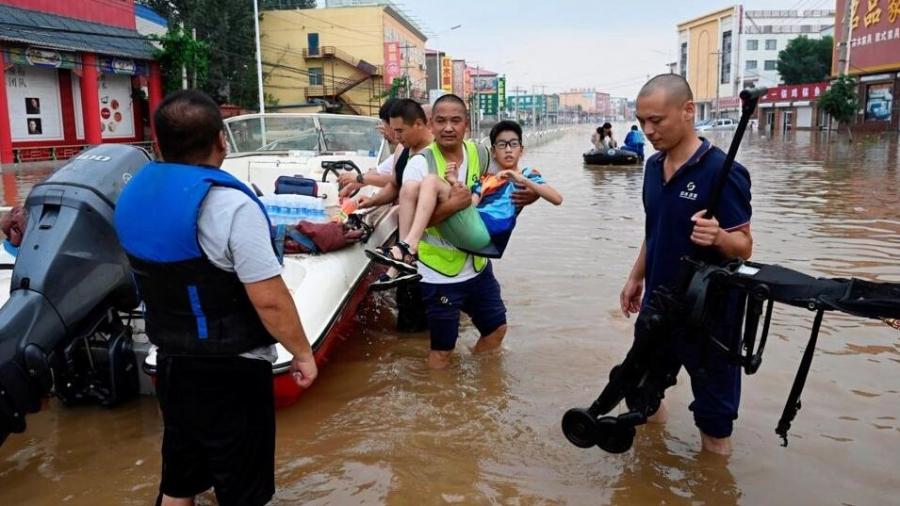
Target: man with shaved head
[(678, 183)]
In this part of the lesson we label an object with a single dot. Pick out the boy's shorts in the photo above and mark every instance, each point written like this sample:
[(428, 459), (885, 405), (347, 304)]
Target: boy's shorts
[(465, 230), (478, 297)]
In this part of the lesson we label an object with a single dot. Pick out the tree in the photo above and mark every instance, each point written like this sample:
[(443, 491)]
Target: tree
[(226, 27), (806, 60), (179, 50), (840, 101)]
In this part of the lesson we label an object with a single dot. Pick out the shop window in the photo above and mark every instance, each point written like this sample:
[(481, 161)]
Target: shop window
[(879, 99)]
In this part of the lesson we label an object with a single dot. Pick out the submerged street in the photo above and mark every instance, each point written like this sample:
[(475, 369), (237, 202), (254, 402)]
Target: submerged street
[(379, 428)]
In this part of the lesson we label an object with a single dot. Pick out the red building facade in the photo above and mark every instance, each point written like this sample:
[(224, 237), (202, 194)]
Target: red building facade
[(49, 51)]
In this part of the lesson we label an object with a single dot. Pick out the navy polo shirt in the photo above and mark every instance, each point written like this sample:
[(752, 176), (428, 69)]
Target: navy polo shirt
[(669, 206)]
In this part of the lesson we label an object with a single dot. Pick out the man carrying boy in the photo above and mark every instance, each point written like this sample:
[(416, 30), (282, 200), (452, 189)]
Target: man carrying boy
[(452, 280)]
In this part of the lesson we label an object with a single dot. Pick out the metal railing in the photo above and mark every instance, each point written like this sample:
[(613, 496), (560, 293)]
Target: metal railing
[(64, 152), (334, 52)]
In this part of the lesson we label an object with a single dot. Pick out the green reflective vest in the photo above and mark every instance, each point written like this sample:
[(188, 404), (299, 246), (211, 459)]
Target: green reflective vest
[(434, 251)]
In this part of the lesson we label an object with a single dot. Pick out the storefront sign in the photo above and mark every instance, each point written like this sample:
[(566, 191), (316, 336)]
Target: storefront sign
[(391, 62), (38, 57), (501, 92), (485, 84), (487, 103), (459, 78), (123, 66), (447, 74), (875, 37), (810, 91)]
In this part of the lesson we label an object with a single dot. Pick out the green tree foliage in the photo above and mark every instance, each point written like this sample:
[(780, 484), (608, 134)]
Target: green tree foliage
[(180, 51), (806, 60), (840, 101), (226, 27)]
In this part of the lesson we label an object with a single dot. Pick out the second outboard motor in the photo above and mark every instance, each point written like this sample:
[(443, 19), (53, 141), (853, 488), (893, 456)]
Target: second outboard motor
[(60, 330)]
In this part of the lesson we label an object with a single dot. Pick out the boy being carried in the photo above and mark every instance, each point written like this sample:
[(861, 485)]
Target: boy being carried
[(484, 227)]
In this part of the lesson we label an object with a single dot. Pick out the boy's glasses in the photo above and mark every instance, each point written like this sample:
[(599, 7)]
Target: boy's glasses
[(507, 144)]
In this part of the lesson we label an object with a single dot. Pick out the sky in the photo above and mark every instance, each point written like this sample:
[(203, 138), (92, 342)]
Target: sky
[(564, 44)]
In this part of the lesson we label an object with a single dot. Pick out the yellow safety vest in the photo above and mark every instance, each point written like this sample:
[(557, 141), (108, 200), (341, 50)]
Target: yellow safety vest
[(434, 251)]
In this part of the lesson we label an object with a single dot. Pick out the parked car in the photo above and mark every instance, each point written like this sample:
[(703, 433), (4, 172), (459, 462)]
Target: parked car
[(717, 124)]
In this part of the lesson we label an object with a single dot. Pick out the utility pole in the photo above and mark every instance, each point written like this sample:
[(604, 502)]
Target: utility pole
[(718, 78), (259, 79), (847, 28), (406, 67), (518, 91)]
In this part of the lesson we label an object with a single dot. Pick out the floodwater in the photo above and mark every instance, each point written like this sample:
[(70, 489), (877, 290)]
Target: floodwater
[(379, 428)]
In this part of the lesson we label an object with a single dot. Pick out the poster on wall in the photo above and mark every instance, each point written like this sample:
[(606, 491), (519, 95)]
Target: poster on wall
[(116, 112), (879, 99), (34, 106)]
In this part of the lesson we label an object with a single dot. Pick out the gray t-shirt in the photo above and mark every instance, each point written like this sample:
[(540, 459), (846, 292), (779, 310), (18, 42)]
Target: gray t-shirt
[(234, 234)]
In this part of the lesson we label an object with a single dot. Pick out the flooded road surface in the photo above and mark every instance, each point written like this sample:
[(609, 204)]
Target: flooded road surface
[(378, 428)]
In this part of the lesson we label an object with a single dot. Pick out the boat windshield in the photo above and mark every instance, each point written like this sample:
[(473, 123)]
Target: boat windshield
[(314, 134)]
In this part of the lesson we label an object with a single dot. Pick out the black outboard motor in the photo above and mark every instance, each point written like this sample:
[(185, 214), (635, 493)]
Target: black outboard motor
[(60, 330)]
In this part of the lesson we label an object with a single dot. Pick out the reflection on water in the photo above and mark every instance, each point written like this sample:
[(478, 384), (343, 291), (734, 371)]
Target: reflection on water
[(379, 428)]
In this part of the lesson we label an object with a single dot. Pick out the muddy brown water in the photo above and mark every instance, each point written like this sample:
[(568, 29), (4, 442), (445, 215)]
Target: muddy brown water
[(378, 428)]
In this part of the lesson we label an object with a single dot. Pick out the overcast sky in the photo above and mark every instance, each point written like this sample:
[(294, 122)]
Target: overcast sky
[(562, 44)]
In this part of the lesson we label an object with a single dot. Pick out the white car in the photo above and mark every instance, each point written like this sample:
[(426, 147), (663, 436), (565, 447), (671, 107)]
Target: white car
[(716, 124)]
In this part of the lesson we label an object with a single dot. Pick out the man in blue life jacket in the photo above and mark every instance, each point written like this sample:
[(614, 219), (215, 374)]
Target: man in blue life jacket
[(634, 141), (200, 246), (678, 182)]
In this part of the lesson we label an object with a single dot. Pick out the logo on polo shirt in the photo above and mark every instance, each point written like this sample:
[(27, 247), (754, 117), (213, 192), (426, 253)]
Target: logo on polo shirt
[(688, 192)]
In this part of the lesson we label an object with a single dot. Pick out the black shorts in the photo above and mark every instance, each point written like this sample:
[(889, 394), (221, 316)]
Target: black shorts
[(219, 417)]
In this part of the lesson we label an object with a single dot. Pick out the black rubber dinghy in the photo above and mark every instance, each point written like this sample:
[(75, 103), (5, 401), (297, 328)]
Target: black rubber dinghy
[(611, 157)]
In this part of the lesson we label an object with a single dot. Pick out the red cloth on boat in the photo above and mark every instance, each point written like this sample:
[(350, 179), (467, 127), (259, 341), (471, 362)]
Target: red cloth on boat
[(330, 236), (13, 225)]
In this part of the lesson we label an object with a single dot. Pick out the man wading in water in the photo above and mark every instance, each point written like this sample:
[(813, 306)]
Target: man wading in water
[(199, 244), (678, 181)]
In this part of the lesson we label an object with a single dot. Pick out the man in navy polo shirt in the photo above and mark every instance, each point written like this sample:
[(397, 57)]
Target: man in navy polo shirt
[(678, 182)]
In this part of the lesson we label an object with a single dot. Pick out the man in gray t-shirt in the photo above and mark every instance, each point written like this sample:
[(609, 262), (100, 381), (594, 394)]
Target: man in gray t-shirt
[(200, 247)]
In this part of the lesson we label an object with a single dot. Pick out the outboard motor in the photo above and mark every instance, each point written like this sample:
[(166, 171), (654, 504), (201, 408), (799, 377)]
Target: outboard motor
[(60, 330)]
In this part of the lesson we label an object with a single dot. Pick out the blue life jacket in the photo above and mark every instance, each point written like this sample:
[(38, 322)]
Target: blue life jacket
[(634, 138), (192, 306)]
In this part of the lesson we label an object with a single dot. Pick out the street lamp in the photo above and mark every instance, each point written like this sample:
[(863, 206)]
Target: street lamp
[(440, 62)]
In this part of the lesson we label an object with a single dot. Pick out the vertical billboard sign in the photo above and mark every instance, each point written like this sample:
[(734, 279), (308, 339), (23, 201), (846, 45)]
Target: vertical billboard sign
[(447, 74), (459, 78), (501, 92), (391, 62)]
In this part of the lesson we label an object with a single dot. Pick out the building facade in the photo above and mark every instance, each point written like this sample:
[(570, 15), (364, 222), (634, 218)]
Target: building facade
[(708, 59), (792, 107), (873, 56), (764, 33), (342, 57), (48, 52)]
